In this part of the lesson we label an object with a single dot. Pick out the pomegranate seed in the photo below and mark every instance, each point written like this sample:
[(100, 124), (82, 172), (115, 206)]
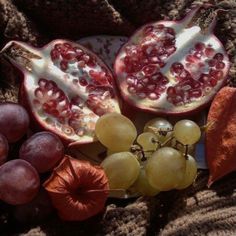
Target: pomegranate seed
[(79, 52), (160, 26), (148, 29), (190, 58), (213, 82), (85, 58), (55, 55), (154, 60), (150, 69), (38, 93), (220, 65), (50, 85), (67, 45), (196, 93), (170, 30), (139, 86), (209, 52), (198, 55), (170, 50), (69, 55), (131, 89), (126, 60), (196, 84), (153, 96), (131, 80), (151, 87), (212, 62), (58, 47), (199, 46), (219, 57), (83, 81), (176, 68), (63, 65), (42, 83), (171, 91), (217, 74)]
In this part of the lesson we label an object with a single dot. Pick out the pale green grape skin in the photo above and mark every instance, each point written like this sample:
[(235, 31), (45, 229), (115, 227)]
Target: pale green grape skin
[(165, 169), (147, 141), (187, 132), (181, 148), (116, 132), (162, 125), (142, 185), (122, 169), (190, 173)]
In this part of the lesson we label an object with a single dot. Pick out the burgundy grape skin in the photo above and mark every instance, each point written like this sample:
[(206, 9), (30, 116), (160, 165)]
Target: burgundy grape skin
[(3, 149), (36, 210), (19, 182), (14, 121), (43, 150)]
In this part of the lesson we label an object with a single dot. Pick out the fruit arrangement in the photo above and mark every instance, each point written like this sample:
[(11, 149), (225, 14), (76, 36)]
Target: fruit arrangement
[(69, 97)]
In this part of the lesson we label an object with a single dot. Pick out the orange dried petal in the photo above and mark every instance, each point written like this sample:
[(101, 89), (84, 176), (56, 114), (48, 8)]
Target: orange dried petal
[(221, 136), (78, 189)]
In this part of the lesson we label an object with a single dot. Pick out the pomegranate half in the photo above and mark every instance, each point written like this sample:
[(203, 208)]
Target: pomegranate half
[(66, 86), (173, 67)]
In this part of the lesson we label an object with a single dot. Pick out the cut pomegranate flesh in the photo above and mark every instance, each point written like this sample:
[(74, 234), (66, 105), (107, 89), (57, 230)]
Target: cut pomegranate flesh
[(105, 46), (67, 87), (173, 67)]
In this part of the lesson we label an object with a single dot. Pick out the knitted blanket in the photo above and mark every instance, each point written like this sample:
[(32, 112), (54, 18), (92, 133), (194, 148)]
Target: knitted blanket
[(194, 211)]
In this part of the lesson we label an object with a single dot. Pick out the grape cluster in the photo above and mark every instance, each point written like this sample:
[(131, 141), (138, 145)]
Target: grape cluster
[(159, 159), (19, 178)]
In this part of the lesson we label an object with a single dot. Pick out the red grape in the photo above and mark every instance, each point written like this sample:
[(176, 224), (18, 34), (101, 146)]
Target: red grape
[(36, 210), (43, 150), (19, 182), (14, 121), (3, 149)]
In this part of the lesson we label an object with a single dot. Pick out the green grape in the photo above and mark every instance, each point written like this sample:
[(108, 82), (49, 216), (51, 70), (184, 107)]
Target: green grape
[(110, 152), (161, 125), (115, 131), (122, 169), (142, 185), (165, 169), (190, 173), (181, 147), (187, 132), (147, 141)]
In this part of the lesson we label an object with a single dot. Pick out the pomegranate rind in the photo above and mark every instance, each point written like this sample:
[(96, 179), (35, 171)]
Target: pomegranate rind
[(83, 102), (77, 189), (187, 39)]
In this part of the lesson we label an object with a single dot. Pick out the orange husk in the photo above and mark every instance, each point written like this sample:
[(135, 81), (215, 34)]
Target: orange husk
[(78, 190), (221, 135)]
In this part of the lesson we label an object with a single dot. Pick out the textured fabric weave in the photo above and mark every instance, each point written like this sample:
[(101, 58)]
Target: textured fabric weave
[(195, 211)]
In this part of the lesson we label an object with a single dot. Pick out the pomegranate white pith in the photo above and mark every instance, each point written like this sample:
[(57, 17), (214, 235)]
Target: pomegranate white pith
[(172, 67), (66, 86)]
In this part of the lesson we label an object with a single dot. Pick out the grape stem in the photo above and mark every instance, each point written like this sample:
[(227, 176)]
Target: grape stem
[(164, 143), (186, 152), (207, 126)]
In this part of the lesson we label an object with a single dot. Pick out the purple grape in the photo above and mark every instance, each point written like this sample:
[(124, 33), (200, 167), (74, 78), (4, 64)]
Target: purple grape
[(3, 149), (43, 150), (36, 210), (14, 121), (19, 182)]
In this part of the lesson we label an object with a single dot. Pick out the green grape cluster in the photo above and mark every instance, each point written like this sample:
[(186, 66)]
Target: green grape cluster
[(159, 159)]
